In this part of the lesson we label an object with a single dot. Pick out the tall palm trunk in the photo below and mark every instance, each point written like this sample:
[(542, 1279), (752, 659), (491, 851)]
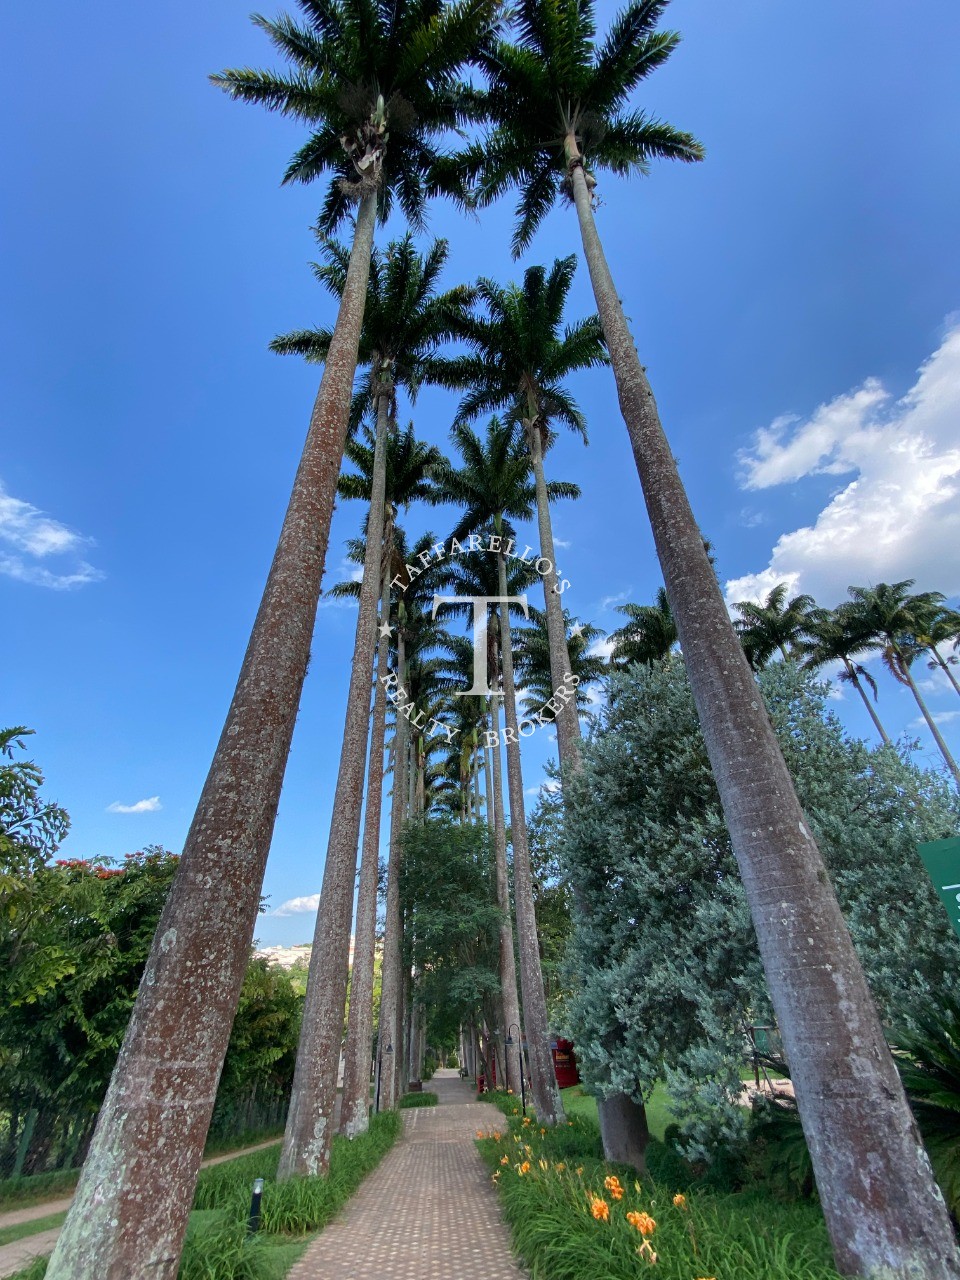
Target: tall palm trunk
[(855, 681), (310, 1120), (623, 1122), (355, 1098), (508, 961), (546, 1095), (388, 1036), (904, 667), (884, 1212), (130, 1209), (568, 720)]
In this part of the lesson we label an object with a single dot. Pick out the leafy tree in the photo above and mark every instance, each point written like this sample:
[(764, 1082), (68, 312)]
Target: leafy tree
[(453, 925), (71, 961), (665, 953), (261, 1056), (31, 828), (557, 101)]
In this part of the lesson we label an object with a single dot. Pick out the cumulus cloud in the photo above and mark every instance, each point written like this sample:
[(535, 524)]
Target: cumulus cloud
[(897, 515), (150, 805), (29, 539), (297, 906), (602, 648)]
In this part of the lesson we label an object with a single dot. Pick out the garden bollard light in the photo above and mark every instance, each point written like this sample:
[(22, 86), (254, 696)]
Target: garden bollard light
[(254, 1224)]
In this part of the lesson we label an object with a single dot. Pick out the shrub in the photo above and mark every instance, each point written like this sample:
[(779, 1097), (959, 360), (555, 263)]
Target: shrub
[(928, 1056)]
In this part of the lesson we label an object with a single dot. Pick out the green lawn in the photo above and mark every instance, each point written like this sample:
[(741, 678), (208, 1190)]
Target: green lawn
[(659, 1115), (23, 1229)]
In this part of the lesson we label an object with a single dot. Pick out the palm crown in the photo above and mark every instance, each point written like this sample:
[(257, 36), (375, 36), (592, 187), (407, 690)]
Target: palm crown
[(522, 352), (377, 82), (555, 85), (405, 320), (494, 480)]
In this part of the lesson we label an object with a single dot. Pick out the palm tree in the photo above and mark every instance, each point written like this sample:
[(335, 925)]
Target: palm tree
[(834, 638), (405, 322), (520, 356), (407, 467), (939, 625), (493, 484), (479, 577), (359, 73), (558, 105), (894, 621), (648, 636), (769, 628), (416, 634), (534, 668)]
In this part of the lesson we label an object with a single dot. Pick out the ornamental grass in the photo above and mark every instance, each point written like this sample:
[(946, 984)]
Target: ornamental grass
[(573, 1215)]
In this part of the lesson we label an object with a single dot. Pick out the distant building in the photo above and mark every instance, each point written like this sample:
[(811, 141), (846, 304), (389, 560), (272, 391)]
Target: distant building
[(290, 957)]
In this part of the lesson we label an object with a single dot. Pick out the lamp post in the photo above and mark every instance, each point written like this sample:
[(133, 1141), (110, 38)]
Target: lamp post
[(506, 1044), (376, 1104)]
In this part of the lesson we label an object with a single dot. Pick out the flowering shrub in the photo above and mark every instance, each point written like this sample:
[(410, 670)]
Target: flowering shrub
[(573, 1215)]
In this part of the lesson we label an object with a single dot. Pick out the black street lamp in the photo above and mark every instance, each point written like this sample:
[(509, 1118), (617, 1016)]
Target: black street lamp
[(376, 1104), (506, 1044)]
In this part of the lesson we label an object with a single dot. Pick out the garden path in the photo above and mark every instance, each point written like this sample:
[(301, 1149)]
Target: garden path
[(428, 1211)]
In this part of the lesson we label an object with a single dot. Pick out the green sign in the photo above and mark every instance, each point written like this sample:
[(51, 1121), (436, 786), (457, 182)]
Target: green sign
[(942, 860)]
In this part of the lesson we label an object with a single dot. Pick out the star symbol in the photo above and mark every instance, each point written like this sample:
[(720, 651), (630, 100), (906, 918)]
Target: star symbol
[(576, 631), (385, 629)]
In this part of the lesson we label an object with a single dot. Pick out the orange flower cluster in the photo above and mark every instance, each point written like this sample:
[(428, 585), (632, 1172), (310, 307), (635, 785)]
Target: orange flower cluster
[(525, 1167), (643, 1222), (613, 1186), (600, 1209), (680, 1201)]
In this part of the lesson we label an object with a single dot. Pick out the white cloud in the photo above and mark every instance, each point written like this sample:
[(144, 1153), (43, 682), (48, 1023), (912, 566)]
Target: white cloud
[(602, 648), (939, 717), (297, 906), (562, 544), (610, 602), (142, 806), (898, 516), (750, 519), (28, 537)]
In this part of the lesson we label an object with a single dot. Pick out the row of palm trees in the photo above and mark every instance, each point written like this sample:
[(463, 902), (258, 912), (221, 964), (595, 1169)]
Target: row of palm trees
[(886, 619), (382, 88)]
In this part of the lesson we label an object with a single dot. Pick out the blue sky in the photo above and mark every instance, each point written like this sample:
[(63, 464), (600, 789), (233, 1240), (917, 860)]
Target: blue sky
[(784, 295)]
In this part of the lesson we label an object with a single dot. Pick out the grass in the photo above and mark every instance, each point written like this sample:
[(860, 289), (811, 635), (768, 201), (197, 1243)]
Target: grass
[(218, 1246), (567, 1210), (20, 1193), (418, 1100), (21, 1230), (659, 1115)]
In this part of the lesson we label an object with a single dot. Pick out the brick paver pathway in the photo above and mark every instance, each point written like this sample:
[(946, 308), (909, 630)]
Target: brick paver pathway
[(428, 1212)]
